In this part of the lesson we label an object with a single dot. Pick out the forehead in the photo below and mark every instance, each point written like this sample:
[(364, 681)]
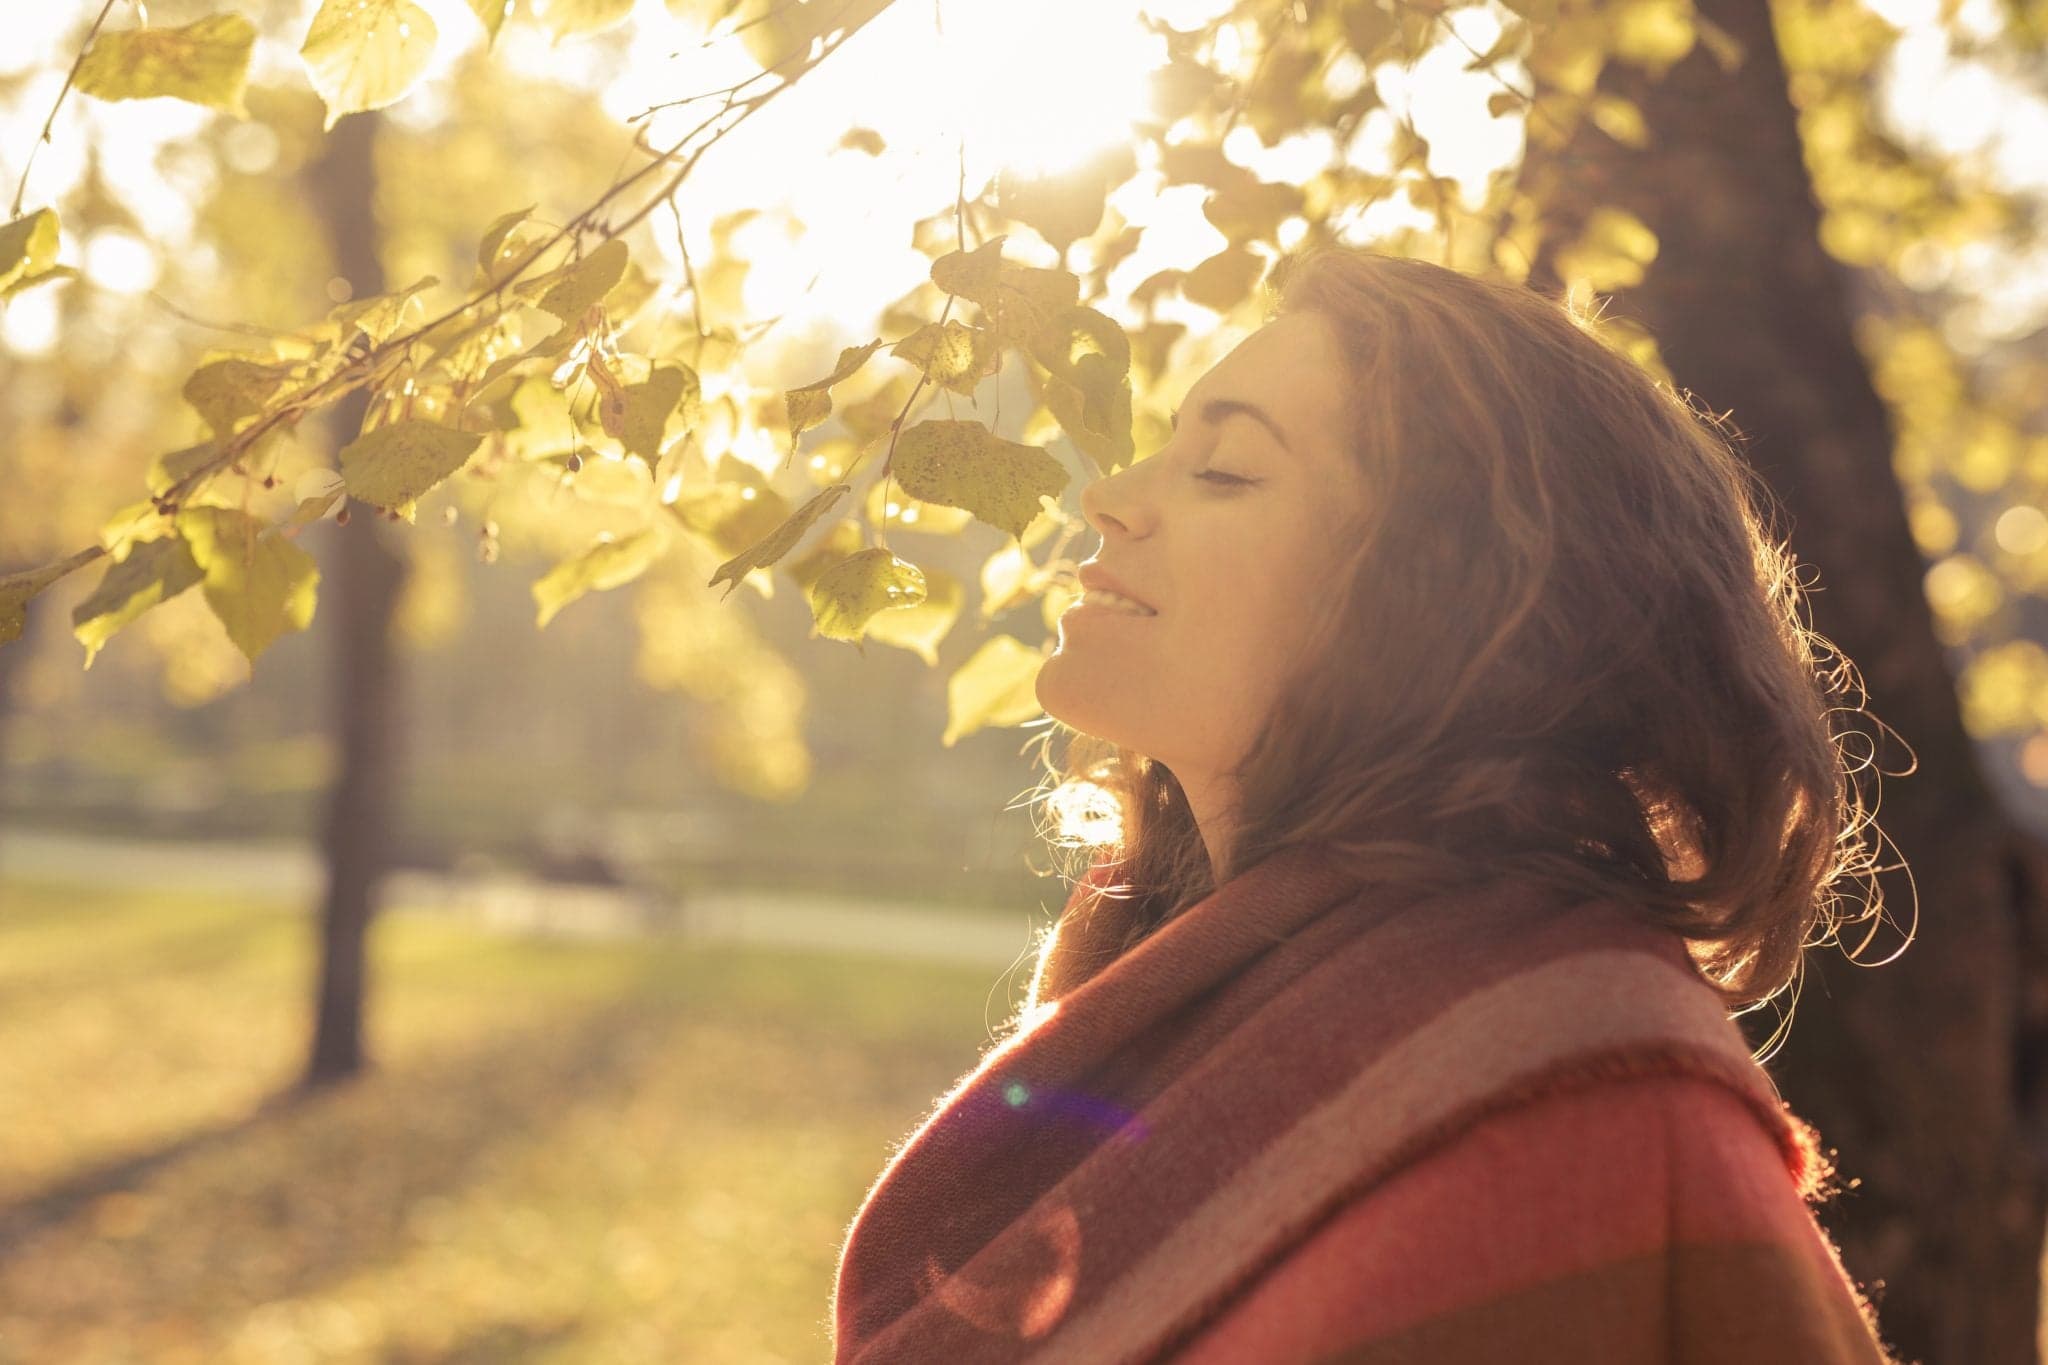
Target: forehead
[(1293, 368)]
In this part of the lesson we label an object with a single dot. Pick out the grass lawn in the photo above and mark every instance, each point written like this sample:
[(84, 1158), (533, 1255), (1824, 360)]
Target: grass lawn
[(565, 1152)]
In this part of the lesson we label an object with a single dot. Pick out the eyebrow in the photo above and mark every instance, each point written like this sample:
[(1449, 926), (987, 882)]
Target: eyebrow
[(1218, 409)]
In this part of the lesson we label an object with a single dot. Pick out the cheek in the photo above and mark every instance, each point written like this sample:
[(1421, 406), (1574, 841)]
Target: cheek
[(1257, 614)]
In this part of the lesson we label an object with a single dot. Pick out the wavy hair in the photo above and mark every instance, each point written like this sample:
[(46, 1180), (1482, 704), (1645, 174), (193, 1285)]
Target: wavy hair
[(1565, 646)]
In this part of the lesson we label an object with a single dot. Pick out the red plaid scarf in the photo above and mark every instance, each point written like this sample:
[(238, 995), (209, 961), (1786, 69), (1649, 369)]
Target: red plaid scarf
[(1162, 1126)]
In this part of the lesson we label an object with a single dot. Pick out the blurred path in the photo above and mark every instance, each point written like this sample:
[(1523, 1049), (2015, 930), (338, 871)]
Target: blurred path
[(291, 872)]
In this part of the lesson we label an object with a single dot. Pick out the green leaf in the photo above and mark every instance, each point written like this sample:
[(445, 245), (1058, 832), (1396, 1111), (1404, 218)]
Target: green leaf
[(205, 62), (608, 563), (570, 291), (154, 571), (491, 14), (226, 392), (964, 464), (28, 247), (394, 465), (951, 354), (812, 403), (16, 589), (567, 18), (258, 583), (780, 541), (921, 627), (365, 54), (847, 595), (997, 685)]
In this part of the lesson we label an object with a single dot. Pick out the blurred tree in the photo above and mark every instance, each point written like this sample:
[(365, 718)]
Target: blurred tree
[(1751, 313), (365, 699)]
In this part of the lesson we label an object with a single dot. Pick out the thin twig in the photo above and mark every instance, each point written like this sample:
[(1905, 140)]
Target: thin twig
[(21, 189)]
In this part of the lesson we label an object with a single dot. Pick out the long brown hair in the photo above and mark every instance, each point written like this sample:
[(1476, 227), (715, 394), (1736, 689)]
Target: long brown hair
[(1565, 646)]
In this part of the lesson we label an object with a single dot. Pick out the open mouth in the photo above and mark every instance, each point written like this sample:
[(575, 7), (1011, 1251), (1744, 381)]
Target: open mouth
[(1116, 602)]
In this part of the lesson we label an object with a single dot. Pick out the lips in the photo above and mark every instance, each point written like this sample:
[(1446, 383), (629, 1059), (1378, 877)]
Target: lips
[(1095, 576)]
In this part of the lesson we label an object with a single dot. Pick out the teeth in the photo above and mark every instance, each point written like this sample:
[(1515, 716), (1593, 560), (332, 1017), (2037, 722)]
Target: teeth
[(1097, 597)]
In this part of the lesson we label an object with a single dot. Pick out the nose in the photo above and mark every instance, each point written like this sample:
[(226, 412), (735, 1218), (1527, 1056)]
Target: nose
[(1109, 501)]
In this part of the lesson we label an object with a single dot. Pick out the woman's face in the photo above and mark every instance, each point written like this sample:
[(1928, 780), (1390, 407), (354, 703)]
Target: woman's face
[(1230, 564)]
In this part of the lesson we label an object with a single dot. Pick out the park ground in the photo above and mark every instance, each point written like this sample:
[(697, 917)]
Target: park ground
[(566, 1151)]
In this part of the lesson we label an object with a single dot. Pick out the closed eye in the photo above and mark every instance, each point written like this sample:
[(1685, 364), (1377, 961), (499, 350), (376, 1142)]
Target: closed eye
[(1218, 476)]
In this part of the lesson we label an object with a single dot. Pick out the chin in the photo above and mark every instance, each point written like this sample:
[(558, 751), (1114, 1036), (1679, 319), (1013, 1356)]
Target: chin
[(1078, 700)]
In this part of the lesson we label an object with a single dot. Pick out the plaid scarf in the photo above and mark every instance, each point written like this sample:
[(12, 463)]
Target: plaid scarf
[(1164, 1124)]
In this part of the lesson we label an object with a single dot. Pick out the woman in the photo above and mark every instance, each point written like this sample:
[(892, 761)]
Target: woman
[(1470, 766)]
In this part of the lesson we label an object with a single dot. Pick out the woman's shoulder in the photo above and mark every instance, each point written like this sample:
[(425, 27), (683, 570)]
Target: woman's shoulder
[(1599, 1216)]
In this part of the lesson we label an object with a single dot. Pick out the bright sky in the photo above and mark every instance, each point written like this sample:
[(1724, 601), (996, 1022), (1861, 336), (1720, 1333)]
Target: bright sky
[(983, 82)]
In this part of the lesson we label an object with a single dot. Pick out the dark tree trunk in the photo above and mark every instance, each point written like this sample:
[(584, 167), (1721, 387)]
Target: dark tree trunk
[(13, 662), (365, 576), (1923, 1074)]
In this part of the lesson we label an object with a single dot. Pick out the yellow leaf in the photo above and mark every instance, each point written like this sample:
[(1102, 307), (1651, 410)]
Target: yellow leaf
[(606, 564), (258, 583), (395, 464), (205, 62), (847, 595), (570, 291), (734, 511), (492, 245), (380, 316), (225, 392), (28, 246), (1621, 120), (568, 18), (997, 685), (649, 405), (154, 571), (365, 54), (921, 627), (16, 590), (950, 354), (964, 464), (765, 552), (1611, 251), (1224, 280), (491, 14), (1653, 34), (811, 404), (136, 521)]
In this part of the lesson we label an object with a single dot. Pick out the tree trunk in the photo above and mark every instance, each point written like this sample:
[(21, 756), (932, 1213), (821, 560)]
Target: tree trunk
[(363, 593), (13, 663), (1924, 1073)]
